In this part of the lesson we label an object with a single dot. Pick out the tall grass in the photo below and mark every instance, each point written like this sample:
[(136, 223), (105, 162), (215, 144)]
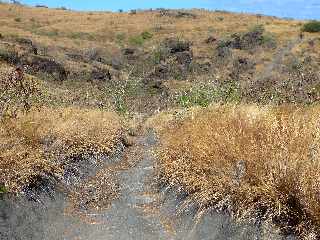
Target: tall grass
[(259, 163), (31, 144)]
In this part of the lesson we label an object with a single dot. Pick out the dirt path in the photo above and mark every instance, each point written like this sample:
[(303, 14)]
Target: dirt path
[(139, 213)]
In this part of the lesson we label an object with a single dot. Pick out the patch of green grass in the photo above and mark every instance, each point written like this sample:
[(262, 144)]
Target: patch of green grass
[(120, 37), (204, 95), (159, 55), (140, 39), (146, 35), (312, 27), (120, 105), (52, 33), (269, 40), (3, 189), (229, 92), (81, 35), (136, 40)]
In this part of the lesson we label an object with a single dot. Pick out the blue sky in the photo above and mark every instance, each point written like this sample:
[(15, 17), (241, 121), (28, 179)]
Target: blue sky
[(303, 9)]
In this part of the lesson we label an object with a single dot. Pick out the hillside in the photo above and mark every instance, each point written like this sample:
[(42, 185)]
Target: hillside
[(167, 57), (233, 100)]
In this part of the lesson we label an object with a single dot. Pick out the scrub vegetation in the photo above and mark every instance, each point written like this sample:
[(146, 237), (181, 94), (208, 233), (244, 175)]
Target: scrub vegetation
[(233, 97), (257, 163)]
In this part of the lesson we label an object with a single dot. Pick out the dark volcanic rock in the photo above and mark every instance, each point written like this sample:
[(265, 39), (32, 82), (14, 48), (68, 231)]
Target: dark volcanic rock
[(176, 14), (116, 63), (184, 58), (101, 74), (46, 65), (211, 40), (175, 45), (128, 51)]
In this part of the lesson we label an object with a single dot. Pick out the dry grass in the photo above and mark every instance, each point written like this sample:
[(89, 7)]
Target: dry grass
[(256, 162), (46, 26), (31, 144), (96, 193)]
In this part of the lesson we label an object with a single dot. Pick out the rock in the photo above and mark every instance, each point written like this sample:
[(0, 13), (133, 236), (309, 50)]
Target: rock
[(160, 71), (223, 51), (128, 51), (46, 65), (75, 57), (9, 55), (174, 13), (24, 41), (116, 63), (176, 45), (181, 14), (211, 40), (101, 74), (131, 54), (184, 58), (94, 54)]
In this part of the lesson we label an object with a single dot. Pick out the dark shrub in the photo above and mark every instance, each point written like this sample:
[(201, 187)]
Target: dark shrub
[(133, 12), (223, 49), (250, 39), (181, 14), (94, 54), (312, 27), (101, 74), (45, 65), (9, 56), (23, 41), (246, 41), (41, 6), (176, 45), (176, 14)]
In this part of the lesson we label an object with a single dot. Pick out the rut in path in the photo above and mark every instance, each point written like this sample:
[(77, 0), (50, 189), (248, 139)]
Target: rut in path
[(140, 213)]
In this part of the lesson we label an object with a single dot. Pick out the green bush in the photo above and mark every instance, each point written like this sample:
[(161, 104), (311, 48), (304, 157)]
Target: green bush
[(146, 35), (141, 38), (202, 96), (17, 19), (3, 189), (136, 40), (312, 27), (120, 37), (269, 40), (81, 35)]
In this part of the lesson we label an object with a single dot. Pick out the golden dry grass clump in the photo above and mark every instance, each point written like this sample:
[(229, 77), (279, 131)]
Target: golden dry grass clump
[(256, 162), (31, 144), (17, 92)]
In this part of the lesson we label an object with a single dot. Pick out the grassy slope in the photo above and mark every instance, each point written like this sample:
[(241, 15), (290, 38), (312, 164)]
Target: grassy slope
[(58, 33)]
